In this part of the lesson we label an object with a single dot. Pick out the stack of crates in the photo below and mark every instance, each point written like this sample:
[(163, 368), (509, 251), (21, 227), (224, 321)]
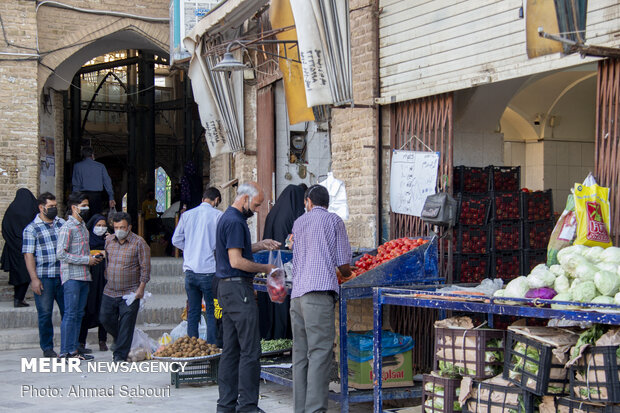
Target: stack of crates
[(502, 231), (506, 258), (538, 223), (472, 233)]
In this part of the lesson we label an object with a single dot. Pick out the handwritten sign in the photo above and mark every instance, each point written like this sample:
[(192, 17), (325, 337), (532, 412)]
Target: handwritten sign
[(413, 177)]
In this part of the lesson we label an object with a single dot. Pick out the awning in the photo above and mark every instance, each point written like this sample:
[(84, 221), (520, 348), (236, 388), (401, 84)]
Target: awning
[(219, 95), (325, 50)]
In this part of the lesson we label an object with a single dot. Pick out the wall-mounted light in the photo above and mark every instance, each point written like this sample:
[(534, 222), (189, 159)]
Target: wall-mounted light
[(228, 62), (537, 119)]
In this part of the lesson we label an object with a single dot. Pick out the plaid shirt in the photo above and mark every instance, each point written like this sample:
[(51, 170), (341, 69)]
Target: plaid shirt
[(129, 264), (320, 244), (40, 239), (73, 251)]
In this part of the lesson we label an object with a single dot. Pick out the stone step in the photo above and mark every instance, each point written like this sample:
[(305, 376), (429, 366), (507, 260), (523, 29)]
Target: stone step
[(23, 338), (166, 266), (166, 285), (159, 309), (161, 267)]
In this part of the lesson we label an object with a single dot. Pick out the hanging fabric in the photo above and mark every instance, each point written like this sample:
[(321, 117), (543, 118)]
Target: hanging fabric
[(219, 96), (325, 50)]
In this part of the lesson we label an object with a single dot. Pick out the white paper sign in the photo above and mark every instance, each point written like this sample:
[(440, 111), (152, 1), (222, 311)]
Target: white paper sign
[(413, 177)]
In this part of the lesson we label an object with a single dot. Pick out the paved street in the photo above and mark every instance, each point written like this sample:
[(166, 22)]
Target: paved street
[(29, 392)]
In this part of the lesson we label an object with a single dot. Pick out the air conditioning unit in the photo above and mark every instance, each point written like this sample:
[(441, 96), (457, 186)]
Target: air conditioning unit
[(184, 14)]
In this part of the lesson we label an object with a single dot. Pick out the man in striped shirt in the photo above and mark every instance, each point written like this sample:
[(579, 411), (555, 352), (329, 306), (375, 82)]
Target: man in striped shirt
[(73, 251), (320, 246), (39, 249), (128, 271)]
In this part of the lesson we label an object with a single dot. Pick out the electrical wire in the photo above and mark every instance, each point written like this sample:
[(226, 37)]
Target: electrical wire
[(52, 3), (6, 40)]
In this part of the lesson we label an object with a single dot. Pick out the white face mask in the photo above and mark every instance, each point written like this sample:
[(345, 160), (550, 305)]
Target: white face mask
[(121, 234), (100, 230)]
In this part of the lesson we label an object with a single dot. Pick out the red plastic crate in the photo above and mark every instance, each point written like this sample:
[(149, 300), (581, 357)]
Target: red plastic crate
[(506, 205), (507, 265), (506, 178), (469, 179), (474, 240), (472, 268), (474, 209), (536, 234), (537, 205), (532, 258), (506, 236)]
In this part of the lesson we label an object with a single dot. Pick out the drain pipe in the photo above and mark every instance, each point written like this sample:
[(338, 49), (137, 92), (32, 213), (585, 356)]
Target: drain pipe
[(379, 135)]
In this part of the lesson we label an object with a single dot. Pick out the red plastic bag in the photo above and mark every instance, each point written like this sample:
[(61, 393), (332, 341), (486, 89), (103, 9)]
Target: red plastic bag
[(276, 286)]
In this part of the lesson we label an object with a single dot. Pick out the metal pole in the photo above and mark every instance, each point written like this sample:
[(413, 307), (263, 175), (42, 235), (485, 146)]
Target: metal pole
[(132, 145), (378, 364), (76, 117), (187, 124), (148, 101)]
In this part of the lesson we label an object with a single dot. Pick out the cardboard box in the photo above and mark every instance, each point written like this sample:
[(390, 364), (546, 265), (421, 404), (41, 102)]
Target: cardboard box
[(397, 372)]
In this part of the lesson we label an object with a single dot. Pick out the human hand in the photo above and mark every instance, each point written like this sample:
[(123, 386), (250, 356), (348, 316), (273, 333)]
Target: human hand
[(95, 260), (112, 203), (139, 293), (37, 286), (269, 268), (269, 244)]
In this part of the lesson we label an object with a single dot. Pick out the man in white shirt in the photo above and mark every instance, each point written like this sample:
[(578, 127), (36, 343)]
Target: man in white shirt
[(195, 235)]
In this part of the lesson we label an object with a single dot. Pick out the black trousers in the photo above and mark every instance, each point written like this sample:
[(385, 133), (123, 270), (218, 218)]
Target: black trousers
[(95, 202), (20, 291), (120, 321), (101, 334), (239, 370)]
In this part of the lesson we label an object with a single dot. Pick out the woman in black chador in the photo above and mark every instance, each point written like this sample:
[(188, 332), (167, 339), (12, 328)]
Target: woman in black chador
[(18, 215)]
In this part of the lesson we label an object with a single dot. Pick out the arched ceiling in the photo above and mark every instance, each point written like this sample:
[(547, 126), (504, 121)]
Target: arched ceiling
[(122, 40), (541, 96)]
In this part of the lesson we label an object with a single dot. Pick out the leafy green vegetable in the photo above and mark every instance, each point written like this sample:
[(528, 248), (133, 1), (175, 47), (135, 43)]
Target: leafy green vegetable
[(583, 292), (275, 345), (590, 336)]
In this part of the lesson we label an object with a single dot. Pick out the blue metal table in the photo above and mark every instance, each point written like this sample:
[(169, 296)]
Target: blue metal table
[(415, 269), (500, 306)]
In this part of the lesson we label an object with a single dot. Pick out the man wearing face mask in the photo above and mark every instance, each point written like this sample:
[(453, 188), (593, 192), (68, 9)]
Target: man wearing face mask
[(195, 235), (39, 249), (73, 251), (239, 369), (128, 271)]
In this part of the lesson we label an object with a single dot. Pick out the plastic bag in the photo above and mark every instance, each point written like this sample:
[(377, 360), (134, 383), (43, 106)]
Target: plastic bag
[(131, 297), (275, 259), (179, 331), (276, 286), (360, 345), (165, 339), (142, 346), (563, 233), (592, 209), (202, 329)]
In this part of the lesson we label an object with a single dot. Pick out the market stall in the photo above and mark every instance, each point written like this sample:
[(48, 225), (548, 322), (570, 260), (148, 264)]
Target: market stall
[(594, 313), (414, 265)]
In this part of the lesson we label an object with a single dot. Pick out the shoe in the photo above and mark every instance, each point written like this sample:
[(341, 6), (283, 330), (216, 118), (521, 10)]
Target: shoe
[(18, 303), (103, 346), (118, 360), (83, 350), (79, 356), (50, 353)]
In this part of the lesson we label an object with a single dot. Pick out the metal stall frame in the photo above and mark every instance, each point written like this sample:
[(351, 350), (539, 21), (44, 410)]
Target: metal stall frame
[(490, 305), (415, 269)]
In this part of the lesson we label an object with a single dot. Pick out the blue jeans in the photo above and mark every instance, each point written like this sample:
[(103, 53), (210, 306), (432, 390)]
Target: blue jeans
[(76, 293), (52, 290), (198, 286)]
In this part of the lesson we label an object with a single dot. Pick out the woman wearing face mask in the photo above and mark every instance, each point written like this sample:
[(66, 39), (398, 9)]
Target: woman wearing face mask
[(98, 229)]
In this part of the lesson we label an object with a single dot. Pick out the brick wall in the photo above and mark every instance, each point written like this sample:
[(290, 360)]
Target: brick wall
[(22, 82), (354, 130), (18, 103)]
